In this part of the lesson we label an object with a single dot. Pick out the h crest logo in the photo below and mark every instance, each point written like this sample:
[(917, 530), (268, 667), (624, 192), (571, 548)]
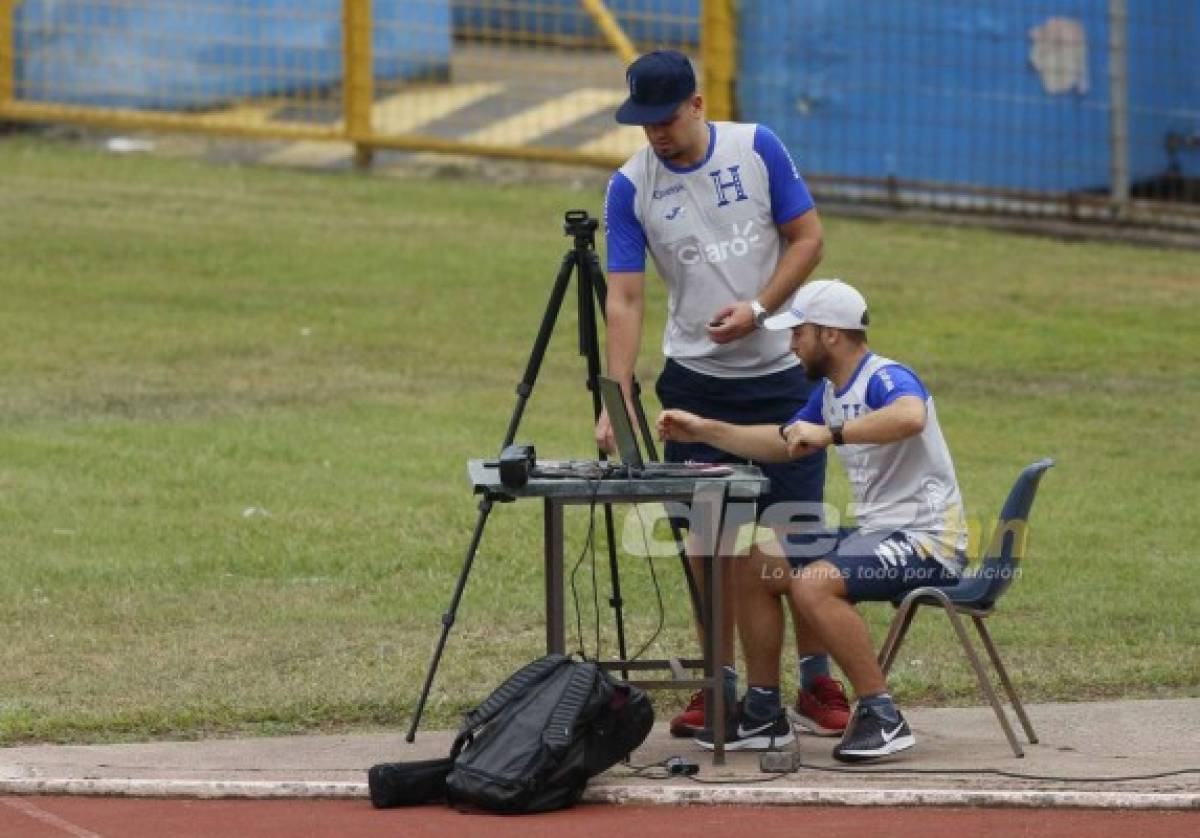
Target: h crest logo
[(734, 183)]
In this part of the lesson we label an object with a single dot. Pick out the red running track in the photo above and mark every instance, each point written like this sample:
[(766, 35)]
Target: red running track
[(101, 817)]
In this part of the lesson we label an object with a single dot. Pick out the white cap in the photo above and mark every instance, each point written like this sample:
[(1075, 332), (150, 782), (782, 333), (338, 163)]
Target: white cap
[(823, 302)]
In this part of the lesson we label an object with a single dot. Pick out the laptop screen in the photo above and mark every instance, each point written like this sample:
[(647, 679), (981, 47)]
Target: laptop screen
[(618, 414)]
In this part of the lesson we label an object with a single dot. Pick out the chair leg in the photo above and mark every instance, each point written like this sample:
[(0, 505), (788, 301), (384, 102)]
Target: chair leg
[(895, 636), (986, 637), (985, 683)]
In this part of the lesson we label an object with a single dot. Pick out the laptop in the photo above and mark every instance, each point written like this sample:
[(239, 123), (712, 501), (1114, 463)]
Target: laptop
[(627, 443)]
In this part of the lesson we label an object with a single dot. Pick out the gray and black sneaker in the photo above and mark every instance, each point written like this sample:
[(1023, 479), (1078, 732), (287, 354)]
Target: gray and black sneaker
[(752, 734), (871, 735)]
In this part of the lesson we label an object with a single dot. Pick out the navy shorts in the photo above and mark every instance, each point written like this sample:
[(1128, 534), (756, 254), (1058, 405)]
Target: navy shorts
[(876, 566), (763, 400)]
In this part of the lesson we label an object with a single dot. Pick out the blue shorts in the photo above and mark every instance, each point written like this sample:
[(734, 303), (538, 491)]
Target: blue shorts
[(876, 566), (763, 400)]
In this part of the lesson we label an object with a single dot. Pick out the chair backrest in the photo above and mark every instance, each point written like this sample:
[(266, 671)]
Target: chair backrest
[(999, 566)]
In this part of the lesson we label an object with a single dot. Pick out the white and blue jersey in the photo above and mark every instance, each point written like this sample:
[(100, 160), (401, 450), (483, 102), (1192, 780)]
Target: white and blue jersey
[(909, 486), (712, 231)]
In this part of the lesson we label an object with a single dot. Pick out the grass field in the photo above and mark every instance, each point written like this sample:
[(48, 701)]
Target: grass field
[(236, 406)]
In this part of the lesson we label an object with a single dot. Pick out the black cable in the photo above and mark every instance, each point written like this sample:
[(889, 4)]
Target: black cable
[(657, 590), (595, 585), (590, 542), (1002, 773), (574, 590), (641, 771)]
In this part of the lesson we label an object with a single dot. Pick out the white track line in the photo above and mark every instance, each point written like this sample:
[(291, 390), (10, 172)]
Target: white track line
[(27, 807)]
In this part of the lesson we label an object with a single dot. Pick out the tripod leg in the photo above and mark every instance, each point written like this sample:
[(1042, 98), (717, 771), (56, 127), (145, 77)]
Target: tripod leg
[(524, 390), (615, 575), (485, 507), (601, 290), (589, 347), (536, 356)]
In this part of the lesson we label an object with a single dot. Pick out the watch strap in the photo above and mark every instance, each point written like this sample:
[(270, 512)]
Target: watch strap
[(760, 312)]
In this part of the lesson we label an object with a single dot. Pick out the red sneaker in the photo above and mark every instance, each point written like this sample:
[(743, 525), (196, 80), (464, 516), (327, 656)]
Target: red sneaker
[(690, 722), (823, 711)]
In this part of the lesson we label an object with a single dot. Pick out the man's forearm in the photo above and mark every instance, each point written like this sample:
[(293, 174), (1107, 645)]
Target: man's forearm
[(799, 260), (754, 442), (801, 254), (624, 336)]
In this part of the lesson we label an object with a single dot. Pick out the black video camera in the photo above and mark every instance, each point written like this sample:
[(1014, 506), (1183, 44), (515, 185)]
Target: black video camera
[(516, 464)]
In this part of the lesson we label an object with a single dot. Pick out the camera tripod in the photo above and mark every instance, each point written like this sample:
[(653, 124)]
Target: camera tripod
[(582, 260)]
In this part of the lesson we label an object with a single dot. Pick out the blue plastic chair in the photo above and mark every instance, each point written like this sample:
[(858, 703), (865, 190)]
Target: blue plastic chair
[(976, 596)]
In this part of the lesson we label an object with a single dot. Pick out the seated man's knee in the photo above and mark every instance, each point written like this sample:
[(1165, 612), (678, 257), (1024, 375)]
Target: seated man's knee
[(816, 583), (764, 572)]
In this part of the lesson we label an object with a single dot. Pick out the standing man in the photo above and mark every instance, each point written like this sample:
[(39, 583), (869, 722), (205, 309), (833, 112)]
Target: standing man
[(911, 524), (731, 227)]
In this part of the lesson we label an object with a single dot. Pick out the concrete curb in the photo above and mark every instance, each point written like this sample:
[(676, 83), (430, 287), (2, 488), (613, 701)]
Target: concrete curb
[(616, 794), (758, 796), (199, 789)]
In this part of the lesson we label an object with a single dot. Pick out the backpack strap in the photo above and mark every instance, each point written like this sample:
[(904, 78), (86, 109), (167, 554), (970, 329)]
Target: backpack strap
[(560, 730), (531, 674)]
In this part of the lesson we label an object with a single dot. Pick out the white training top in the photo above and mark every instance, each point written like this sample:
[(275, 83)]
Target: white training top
[(712, 230), (907, 486)]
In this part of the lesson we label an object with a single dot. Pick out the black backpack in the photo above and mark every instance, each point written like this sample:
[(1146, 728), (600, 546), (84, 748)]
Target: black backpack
[(531, 746)]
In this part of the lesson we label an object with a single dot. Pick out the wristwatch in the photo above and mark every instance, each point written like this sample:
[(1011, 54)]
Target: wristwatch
[(836, 432), (760, 313)]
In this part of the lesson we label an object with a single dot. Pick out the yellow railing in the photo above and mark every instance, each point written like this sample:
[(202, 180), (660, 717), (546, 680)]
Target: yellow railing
[(7, 52), (496, 88), (612, 30)]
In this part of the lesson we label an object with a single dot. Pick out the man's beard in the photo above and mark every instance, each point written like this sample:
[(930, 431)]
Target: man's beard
[(817, 368)]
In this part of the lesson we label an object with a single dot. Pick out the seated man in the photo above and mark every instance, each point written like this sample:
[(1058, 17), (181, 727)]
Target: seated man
[(911, 525)]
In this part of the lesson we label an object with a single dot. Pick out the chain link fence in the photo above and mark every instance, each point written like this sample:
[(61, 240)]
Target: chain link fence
[(1077, 108), (517, 78), (1044, 108)]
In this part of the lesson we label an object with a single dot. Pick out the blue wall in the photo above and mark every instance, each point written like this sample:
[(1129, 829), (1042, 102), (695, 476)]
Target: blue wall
[(1164, 79), (946, 92), (94, 53), (653, 24)]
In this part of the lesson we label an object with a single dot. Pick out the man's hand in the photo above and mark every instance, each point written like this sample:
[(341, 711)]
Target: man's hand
[(803, 438), (679, 426), (732, 322), (604, 433)]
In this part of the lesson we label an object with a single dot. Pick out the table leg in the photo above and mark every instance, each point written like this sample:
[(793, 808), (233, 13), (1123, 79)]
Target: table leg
[(552, 522), (712, 630), (712, 498)]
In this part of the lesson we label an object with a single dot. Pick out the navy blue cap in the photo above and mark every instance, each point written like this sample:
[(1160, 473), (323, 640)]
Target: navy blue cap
[(659, 82)]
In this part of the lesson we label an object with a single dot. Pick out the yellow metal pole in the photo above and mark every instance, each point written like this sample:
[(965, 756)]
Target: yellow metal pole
[(8, 57), (718, 51), (611, 29), (358, 82)]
